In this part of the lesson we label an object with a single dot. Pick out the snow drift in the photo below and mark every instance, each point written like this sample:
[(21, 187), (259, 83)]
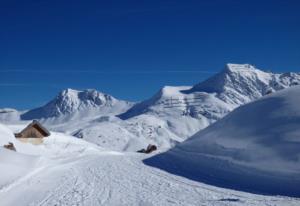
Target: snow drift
[(255, 148)]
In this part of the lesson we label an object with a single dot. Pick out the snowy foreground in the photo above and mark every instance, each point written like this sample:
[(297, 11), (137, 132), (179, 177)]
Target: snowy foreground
[(254, 148), (69, 171)]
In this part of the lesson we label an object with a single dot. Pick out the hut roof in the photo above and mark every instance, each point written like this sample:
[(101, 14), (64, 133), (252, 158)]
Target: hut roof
[(37, 126)]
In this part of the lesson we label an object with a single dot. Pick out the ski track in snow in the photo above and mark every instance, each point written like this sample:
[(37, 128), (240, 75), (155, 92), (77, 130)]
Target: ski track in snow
[(108, 179)]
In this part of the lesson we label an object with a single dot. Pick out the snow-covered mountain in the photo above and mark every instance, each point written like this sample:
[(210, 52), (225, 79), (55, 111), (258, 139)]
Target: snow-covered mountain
[(235, 85), (238, 84), (186, 110), (255, 148), (69, 102), (172, 115)]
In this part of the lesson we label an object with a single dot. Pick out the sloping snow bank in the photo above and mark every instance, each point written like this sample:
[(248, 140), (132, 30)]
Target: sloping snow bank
[(55, 149), (12, 164), (254, 148)]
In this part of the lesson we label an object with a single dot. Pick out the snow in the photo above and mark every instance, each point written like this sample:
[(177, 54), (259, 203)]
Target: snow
[(14, 165), (72, 103), (90, 159), (254, 148), (171, 116), (69, 171), (186, 110), (8, 115)]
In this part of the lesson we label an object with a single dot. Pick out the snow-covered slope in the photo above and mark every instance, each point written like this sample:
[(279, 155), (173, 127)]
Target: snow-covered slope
[(254, 148), (71, 102), (186, 110), (177, 101), (164, 126), (69, 171), (12, 165)]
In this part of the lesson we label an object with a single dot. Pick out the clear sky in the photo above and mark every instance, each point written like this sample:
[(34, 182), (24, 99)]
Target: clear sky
[(130, 49)]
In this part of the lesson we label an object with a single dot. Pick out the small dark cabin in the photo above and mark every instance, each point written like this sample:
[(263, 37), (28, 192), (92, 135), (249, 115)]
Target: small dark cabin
[(33, 133)]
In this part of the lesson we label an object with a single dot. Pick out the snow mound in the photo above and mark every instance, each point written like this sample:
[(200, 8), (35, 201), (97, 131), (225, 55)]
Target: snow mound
[(12, 164), (254, 148), (57, 144), (6, 135)]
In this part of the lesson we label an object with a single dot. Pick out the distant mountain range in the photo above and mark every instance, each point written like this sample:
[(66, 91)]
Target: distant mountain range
[(171, 115)]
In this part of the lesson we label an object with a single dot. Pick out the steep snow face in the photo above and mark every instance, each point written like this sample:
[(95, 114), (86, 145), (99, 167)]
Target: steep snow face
[(71, 101), (256, 147)]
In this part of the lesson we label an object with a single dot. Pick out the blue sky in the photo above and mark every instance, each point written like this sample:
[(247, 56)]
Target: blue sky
[(132, 48)]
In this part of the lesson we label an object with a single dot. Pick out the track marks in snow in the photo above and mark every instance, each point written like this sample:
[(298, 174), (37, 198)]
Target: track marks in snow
[(109, 179)]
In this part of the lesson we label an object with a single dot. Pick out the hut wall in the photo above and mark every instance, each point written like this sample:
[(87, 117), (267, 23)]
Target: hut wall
[(35, 141)]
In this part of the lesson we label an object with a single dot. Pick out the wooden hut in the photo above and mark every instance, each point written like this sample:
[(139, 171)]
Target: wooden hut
[(33, 133)]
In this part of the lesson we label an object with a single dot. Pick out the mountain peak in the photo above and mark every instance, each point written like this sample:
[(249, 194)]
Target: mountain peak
[(70, 101), (238, 84), (239, 67), (234, 77), (235, 85), (68, 91)]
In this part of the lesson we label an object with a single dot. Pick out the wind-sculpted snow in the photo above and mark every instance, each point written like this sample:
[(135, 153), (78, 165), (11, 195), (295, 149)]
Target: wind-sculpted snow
[(255, 148)]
